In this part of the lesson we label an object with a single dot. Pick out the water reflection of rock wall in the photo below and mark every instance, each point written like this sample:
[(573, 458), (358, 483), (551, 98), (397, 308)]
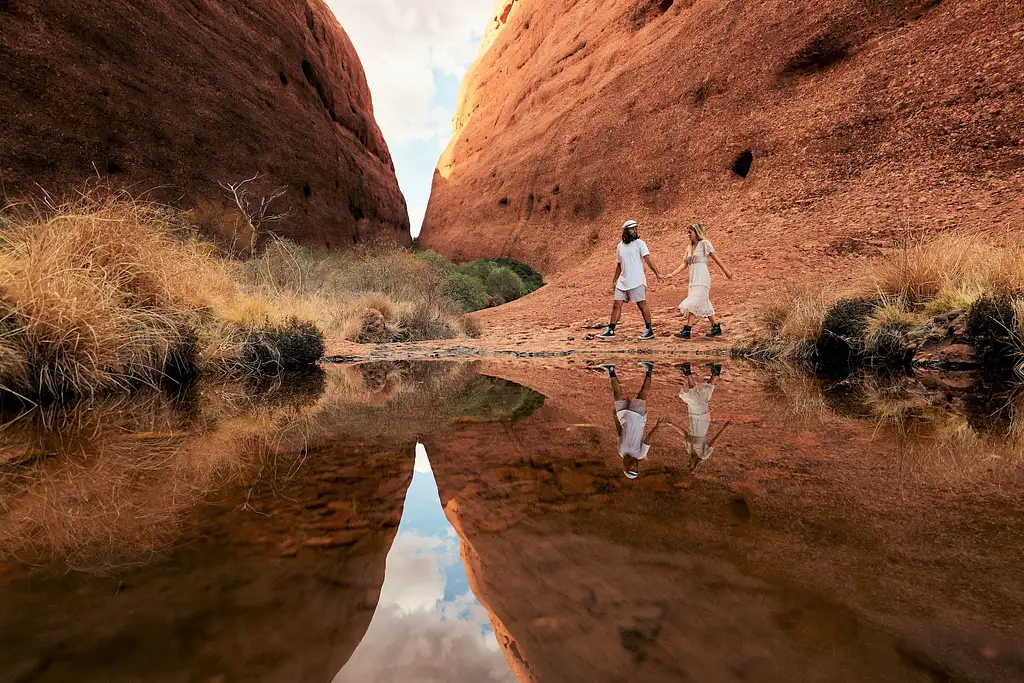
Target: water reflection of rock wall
[(272, 574), (281, 592), (798, 548)]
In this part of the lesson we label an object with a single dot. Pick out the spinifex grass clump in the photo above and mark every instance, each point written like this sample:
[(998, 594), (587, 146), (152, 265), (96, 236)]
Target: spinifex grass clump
[(276, 348), (894, 304), (995, 326), (108, 293)]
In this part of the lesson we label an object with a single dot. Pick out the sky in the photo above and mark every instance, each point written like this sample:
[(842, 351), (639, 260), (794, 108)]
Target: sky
[(415, 53)]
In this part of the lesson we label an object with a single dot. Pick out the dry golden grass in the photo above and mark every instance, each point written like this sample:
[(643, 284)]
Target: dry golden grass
[(99, 294), (793, 321), (954, 267), (108, 293), (384, 295), (923, 278)]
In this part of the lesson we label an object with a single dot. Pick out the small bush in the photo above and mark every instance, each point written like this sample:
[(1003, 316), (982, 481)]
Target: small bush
[(532, 280), (438, 261), (888, 332), (844, 330), (484, 282), (467, 291), (503, 285), (992, 327), (273, 349)]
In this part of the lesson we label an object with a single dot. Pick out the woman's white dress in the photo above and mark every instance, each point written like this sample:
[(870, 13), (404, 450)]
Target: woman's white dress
[(698, 296), (698, 403)]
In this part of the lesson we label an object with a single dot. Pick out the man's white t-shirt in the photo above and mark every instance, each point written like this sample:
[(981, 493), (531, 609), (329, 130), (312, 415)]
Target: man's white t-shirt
[(632, 440), (631, 258)]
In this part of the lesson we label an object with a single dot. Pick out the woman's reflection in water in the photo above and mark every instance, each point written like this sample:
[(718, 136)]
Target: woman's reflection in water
[(631, 420), (697, 397)]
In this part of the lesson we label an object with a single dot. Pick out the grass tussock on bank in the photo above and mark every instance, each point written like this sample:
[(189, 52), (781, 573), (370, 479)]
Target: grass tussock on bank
[(107, 293), (910, 296)]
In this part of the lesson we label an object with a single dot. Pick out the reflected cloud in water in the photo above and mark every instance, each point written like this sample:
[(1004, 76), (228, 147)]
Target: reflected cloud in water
[(428, 626)]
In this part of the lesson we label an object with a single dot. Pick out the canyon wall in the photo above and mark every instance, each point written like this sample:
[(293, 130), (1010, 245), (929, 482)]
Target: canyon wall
[(822, 129), (170, 99)]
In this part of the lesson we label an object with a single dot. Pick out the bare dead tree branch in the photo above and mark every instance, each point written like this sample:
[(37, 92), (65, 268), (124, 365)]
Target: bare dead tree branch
[(257, 213)]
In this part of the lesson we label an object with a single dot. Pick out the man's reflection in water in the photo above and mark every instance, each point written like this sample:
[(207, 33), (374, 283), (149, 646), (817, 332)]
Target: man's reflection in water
[(697, 397), (631, 420)]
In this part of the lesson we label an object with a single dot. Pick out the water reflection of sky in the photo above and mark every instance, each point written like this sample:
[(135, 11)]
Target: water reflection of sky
[(428, 626)]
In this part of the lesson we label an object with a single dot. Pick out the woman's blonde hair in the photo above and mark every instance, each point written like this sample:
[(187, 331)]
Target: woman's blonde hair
[(699, 229)]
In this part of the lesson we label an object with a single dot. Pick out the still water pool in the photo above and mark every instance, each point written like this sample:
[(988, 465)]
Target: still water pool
[(539, 521)]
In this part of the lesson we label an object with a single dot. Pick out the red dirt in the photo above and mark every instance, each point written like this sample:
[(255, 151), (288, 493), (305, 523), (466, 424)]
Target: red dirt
[(181, 96), (865, 120)]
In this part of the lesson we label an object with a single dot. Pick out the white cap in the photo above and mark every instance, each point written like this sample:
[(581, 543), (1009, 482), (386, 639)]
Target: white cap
[(630, 224)]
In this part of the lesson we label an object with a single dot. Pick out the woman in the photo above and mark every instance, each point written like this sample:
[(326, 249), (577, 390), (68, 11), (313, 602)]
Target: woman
[(697, 303), (697, 398)]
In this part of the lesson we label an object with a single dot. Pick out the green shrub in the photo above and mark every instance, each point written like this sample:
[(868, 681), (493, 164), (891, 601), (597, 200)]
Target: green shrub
[(504, 285), (467, 291), (440, 262), (530, 277)]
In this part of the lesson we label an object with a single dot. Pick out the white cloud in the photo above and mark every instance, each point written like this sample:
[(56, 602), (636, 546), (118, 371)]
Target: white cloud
[(406, 46), (415, 577)]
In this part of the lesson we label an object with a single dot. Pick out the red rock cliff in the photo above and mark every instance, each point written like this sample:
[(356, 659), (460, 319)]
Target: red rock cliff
[(810, 124), (181, 96)]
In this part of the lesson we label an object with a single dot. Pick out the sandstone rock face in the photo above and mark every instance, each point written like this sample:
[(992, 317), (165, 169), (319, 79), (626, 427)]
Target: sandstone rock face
[(819, 127), (183, 96)]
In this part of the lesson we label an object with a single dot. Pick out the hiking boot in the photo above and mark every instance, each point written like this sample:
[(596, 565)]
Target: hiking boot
[(646, 365), (715, 331), (607, 335), (685, 367), (647, 335), (609, 367), (683, 333), (716, 369)]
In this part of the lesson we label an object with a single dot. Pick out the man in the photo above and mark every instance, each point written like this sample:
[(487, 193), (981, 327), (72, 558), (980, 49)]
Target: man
[(631, 280), (631, 420)]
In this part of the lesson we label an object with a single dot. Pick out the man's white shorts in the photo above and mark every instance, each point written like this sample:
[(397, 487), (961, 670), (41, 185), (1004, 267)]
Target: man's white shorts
[(635, 295)]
